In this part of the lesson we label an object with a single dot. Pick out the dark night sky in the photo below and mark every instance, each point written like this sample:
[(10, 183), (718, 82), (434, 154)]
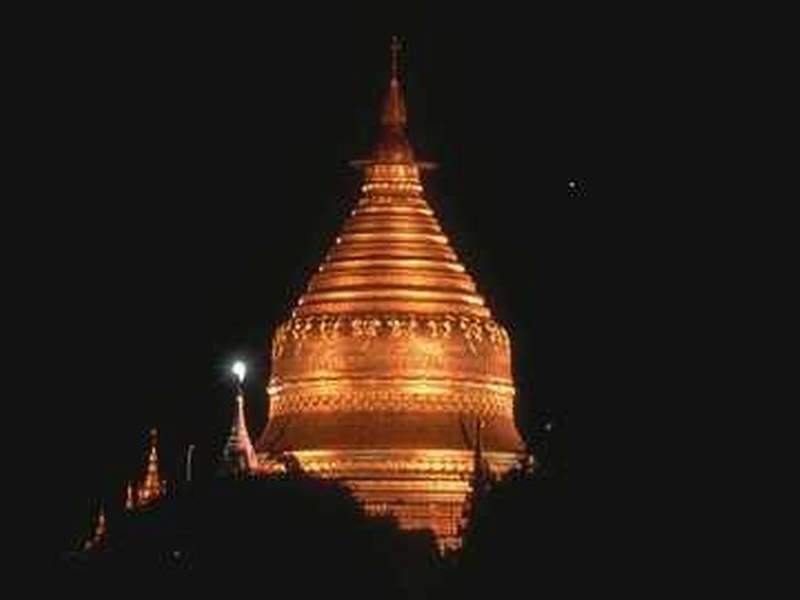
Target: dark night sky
[(199, 173)]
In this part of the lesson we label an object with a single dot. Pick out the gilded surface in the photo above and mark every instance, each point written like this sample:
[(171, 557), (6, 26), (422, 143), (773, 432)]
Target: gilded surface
[(421, 489), (446, 346), (480, 404), (389, 352)]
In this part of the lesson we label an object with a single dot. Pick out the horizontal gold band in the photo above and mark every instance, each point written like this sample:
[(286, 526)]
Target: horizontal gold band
[(391, 236), (386, 293), (407, 279), (389, 306), (405, 384), (392, 209), (398, 263), (407, 463)]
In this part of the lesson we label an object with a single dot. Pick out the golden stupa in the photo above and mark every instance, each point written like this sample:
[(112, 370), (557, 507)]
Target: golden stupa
[(151, 487), (391, 357)]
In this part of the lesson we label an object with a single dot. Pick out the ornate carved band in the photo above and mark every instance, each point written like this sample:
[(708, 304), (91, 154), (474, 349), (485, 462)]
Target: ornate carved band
[(341, 464), (473, 331), (485, 404)]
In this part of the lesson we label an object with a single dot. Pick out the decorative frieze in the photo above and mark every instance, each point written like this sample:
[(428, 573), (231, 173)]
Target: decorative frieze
[(411, 467), (473, 331), (483, 404)]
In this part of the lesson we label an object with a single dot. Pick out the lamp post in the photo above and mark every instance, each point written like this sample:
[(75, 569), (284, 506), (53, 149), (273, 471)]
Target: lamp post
[(239, 371), (189, 454)]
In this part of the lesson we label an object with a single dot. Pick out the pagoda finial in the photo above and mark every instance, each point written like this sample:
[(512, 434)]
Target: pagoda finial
[(395, 49), (394, 107), (393, 146)]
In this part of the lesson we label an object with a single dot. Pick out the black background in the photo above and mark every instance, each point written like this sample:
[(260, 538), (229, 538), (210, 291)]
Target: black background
[(192, 171)]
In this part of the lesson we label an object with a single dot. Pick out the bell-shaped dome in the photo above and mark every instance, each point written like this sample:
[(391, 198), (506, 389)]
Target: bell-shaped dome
[(391, 355)]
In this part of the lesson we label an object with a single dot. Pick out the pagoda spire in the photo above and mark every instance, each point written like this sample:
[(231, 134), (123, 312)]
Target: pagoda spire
[(394, 106), (151, 487), (393, 145), (100, 529), (238, 456), (130, 504)]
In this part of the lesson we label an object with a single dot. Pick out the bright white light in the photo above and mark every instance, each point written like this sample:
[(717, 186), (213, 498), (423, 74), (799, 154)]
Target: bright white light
[(240, 370)]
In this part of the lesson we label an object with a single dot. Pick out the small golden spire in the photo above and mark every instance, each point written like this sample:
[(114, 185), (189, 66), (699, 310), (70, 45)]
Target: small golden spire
[(393, 146), (129, 504), (99, 530), (394, 107), (238, 456), (150, 489)]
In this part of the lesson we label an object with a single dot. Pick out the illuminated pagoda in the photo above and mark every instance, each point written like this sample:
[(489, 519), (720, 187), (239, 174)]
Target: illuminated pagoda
[(152, 487), (238, 455), (390, 353), (99, 531)]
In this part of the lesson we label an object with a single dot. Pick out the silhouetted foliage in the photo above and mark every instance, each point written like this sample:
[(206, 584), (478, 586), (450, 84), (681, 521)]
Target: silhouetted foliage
[(307, 538), (517, 537), (291, 535)]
